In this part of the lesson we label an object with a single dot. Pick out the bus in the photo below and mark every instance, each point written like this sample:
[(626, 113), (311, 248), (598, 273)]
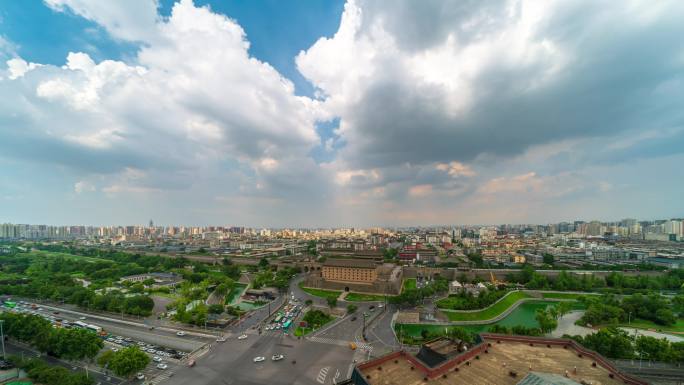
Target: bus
[(278, 318), (10, 304), (79, 324), (94, 328), (287, 324)]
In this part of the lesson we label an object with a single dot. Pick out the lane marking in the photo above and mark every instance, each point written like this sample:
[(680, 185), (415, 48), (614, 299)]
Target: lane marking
[(322, 374)]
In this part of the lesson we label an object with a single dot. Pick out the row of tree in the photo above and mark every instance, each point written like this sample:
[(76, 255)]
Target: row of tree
[(465, 300), (615, 282), (70, 344), (609, 309), (124, 362), (411, 297), (617, 343), (42, 373)]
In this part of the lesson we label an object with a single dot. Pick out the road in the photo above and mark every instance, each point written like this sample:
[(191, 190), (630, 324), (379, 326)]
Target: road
[(231, 362), (137, 331)]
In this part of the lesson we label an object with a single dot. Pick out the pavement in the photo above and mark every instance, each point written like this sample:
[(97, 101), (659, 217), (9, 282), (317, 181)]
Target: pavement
[(669, 337), (566, 325)]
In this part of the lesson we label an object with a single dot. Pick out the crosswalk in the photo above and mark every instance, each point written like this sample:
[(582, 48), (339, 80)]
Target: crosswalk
[(162, 377), (365, 346), (322, 374)]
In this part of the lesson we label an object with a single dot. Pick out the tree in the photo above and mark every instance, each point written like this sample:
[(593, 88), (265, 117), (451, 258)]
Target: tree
[(351, 308), (316, 318), (216, 309), (128, 361), (665, 317), (308, 302), (263, 263), (564, 308), (652, 348), (332, 302), (546, 321), (610, 342), (105, 357), (548, 259), (461, 334), (149, 282)]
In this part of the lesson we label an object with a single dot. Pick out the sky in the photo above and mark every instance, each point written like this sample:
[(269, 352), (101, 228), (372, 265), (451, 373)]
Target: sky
[(326, 113)]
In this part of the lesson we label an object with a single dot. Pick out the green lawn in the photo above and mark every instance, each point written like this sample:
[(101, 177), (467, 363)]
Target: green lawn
[(300, 331), (357, 297), (490, 312), (54, 254), (320, 292), (574, 296), (409, 283)]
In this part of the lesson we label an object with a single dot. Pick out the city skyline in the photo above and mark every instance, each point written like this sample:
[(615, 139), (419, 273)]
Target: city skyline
[(329, 113), (624, 222)]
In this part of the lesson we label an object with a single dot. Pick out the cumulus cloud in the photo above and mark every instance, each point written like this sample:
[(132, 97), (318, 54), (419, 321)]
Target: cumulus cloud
[(445, 108), (471, 86), (193, 98), (17, 67), (124, 19)]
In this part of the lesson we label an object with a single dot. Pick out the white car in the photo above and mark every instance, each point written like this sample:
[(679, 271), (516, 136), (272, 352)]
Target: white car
[(180, 334), (221, 339), (242, 337), (277, 357), (157, 359), (140, 376), (81, 318), (162, 366), (259, 359)]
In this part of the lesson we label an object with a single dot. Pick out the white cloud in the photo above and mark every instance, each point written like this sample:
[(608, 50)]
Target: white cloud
[(17, 67), (455, 169), (124, 19), (191, 99), (83, 186), (444, 109)]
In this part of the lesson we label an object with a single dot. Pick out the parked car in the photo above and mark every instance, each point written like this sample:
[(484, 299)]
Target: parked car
[(162, 366), (180, 334), (259, 359), (242, 337), (140, 376), (277, 357)]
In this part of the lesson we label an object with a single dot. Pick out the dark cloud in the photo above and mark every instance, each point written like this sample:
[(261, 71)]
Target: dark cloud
[(609, 84)]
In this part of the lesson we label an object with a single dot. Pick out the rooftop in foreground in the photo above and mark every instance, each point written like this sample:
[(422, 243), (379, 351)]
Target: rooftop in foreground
[(498, 360)]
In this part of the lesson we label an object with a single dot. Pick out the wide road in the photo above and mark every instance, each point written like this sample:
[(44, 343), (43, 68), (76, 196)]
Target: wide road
[(232, 362), (136, 331)]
